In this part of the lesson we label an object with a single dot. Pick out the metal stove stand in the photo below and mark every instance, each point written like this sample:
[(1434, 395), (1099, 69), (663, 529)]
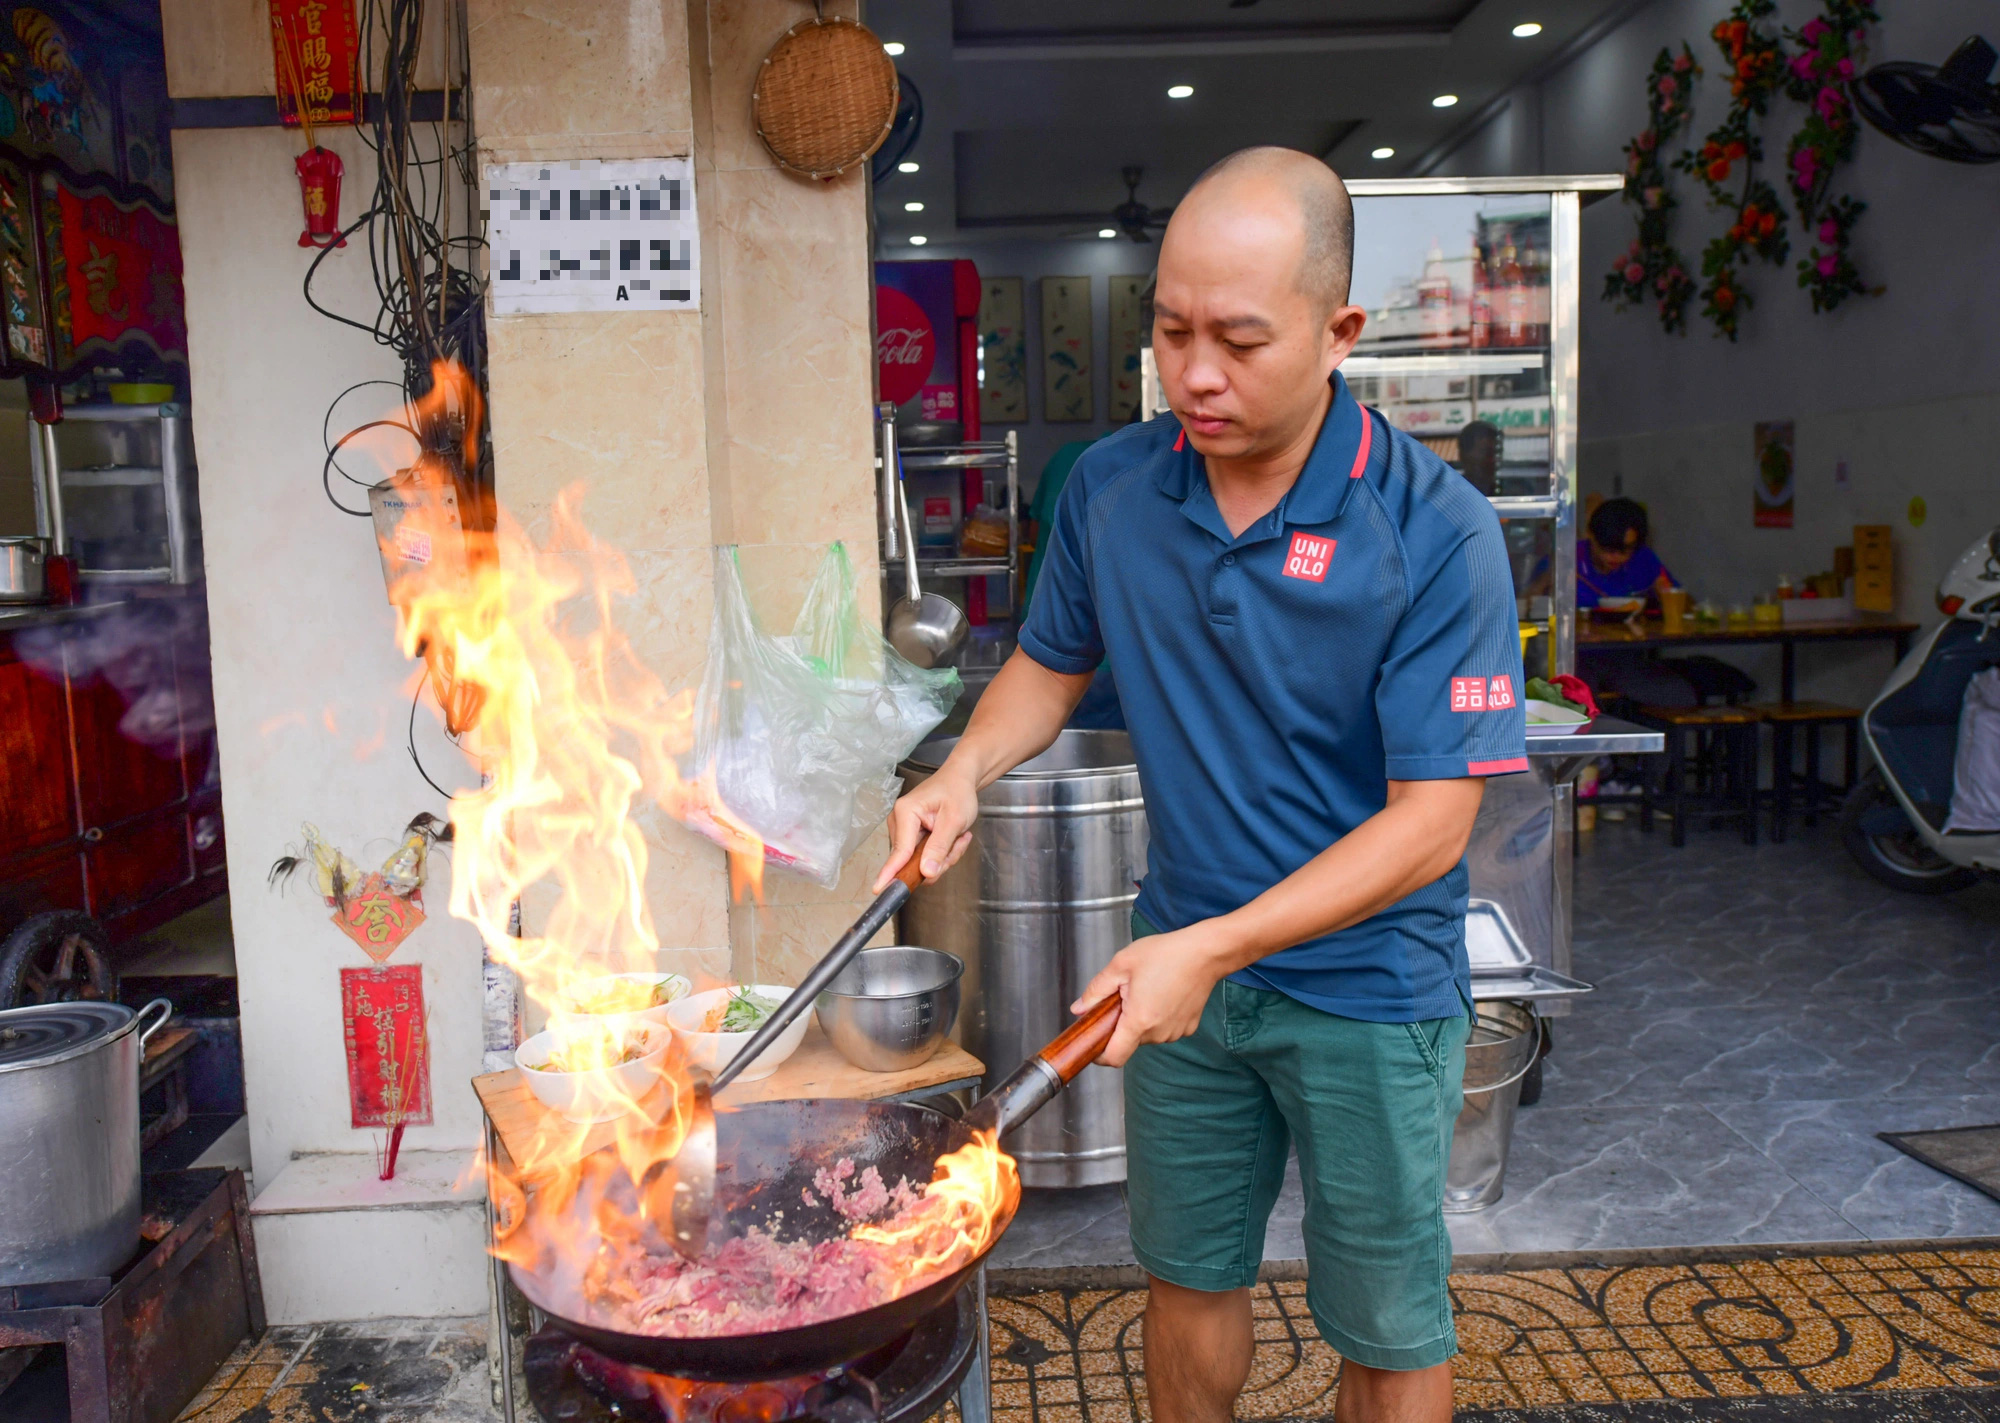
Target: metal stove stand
[(138, 1346)]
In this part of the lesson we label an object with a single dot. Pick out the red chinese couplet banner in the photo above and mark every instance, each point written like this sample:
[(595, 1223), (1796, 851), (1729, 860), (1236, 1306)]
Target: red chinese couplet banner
[(388, 1045), (314, 40), (122, 266)]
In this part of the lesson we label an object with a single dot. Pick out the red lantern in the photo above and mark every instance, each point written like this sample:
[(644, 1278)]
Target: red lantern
[(319, 190)]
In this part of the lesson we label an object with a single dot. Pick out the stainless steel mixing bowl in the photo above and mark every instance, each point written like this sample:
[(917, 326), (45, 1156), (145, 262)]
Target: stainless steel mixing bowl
[(892, 1008)]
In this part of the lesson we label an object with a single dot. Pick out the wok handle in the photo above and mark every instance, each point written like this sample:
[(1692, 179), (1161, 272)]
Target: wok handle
[(1035, 1083), (1082, 1041), (892, 898)]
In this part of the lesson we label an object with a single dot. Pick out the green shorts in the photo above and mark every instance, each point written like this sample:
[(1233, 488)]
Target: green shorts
[(1210, 1119)]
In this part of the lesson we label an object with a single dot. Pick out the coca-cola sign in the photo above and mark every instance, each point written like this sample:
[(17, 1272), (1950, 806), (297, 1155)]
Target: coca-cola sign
[(905, 345)]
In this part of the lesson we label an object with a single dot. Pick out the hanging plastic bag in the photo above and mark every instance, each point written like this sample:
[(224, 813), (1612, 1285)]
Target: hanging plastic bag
[(798, 738), (1975, 773)]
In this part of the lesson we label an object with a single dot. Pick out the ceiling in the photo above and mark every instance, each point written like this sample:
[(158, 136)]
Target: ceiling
[(1033, 107)]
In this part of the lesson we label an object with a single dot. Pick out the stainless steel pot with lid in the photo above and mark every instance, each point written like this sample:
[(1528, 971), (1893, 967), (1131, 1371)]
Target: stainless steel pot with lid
[(22, 572), (69, 1114)]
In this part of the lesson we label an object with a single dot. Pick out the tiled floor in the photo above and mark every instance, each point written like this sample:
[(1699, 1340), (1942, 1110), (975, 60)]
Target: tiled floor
[(1853, 1326), (1760, 1014), (376, 1371)]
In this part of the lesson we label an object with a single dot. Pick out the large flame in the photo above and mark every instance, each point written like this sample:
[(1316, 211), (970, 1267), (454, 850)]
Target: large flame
[(575, 737)]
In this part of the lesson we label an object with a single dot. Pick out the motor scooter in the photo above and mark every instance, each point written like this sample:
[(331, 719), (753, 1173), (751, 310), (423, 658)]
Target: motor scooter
[(1893, 819)]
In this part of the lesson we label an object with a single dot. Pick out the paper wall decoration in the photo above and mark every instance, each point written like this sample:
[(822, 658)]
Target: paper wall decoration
[(1773, 506), (593, 235), (388, 1046), (1003, 341), (315, 41), (1127, 325), (1066, 340)]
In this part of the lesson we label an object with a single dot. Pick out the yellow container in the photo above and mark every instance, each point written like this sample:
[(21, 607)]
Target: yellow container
[(140, 393)]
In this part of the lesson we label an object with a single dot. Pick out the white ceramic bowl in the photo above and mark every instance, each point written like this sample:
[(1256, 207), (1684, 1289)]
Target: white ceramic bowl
[(602, 1094), (712, 1051), (565, 1020)]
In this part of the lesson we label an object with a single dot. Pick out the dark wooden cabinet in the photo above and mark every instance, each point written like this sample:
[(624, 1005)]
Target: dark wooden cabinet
[(91, 817)]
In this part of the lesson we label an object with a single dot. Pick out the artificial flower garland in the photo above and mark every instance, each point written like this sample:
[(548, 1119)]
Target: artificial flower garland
[(1830, 46), (1756, 72), (1652, 268)]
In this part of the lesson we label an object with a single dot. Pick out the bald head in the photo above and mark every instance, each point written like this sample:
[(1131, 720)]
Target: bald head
[(1308, 192)]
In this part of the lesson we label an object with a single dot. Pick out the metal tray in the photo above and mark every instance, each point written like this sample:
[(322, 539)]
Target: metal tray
[(1502, 967)]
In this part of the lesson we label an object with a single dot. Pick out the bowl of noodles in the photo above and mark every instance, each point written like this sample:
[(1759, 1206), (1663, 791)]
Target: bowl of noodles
[(617, 1002), (594, 1073)]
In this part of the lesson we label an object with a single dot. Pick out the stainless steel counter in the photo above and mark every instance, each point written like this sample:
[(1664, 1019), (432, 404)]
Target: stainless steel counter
[(16, 616), (1606, 736)]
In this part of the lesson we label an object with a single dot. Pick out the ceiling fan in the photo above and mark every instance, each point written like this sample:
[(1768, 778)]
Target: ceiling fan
[(1132, 218), (1950, 110)]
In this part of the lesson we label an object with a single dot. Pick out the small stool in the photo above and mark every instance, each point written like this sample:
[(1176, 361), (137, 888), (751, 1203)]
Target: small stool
[(1812, 718), (1736, 729)]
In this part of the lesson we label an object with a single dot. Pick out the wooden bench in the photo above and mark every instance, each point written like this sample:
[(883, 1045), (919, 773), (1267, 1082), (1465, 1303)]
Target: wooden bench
[(1729, 786), (1786, 718)]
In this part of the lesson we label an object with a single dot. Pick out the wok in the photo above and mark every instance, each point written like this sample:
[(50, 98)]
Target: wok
[(766, 1156)]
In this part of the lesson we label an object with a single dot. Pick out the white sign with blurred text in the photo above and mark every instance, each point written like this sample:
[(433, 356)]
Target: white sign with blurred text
[(591, 235)]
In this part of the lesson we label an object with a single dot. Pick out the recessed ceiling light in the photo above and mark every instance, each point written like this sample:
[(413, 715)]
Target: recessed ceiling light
[(1526, 30), (1444, 101), (913, 207), (1107, 232), (1181, 91), (919, 240), (906, 166), (893, 47), (1383, 152)]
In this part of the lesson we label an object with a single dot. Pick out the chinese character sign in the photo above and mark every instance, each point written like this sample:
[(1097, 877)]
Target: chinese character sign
[(388, 1046), (123, 273), (314, 53)]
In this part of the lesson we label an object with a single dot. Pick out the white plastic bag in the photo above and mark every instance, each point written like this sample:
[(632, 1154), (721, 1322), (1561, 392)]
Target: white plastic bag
[(1975, 774), (799, 737)]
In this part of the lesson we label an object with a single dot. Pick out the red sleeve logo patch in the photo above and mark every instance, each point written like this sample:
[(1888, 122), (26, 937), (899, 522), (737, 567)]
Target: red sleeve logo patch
[(1471, 694), (1308, 557)]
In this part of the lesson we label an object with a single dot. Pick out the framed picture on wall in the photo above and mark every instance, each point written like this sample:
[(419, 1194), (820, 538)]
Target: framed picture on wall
[(1127, 321), (1066, 349), (1003, 346)]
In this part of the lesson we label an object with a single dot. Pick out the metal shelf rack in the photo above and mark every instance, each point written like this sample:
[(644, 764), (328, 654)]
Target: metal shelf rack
[(892, 462)]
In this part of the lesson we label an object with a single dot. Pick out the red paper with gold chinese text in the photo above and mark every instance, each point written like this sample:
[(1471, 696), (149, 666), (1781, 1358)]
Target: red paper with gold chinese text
[(123, 269), (388, 1045), (321, 37)]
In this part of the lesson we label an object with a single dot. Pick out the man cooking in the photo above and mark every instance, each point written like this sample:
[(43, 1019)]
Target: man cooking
[(1311, 624)]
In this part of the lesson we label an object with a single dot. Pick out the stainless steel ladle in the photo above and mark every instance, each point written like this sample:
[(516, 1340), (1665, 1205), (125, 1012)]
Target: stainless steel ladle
[(926, 628)]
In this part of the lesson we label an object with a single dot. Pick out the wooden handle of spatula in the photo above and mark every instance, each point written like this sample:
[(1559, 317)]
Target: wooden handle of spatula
[(1081, 1042)]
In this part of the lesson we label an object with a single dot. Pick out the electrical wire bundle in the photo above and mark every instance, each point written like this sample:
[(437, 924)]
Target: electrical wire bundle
[(424, 235), (423, 231)]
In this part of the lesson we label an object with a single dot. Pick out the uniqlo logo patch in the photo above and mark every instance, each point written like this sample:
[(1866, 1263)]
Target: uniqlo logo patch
[(1500, 694), (1468, 694), (1308, 558)]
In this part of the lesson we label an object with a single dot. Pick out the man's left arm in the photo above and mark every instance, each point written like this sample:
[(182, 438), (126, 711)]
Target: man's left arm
[(1448, 701), (1166, 978)]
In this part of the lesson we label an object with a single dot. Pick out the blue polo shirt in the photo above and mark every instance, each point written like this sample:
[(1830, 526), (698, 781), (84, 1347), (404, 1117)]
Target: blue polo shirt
[(1274, 682)]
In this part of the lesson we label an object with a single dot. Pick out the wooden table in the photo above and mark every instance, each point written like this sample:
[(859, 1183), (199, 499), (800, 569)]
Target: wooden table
[(521, 1123), (517, 1123), (1647, 634)]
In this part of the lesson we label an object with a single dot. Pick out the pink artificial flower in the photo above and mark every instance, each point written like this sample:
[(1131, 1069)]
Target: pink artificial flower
[(1635, 273), (1684, 63), (1653, 197), (1648, 140), (1802, 66), (1828, 265), (1814, 28), (1668, 84), (1829, 231), (1829, 103), (1845, 69)]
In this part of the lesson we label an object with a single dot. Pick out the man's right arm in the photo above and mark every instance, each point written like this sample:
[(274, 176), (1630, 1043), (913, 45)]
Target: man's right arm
[(1018, 718)]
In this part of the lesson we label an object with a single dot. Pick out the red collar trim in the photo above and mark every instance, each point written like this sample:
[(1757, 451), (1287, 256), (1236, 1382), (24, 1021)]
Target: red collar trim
[(1367, 438), (1180, 441)]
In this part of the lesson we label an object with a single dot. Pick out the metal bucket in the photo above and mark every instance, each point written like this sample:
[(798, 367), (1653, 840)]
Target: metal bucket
[(1039, 904), (1501, 1050)]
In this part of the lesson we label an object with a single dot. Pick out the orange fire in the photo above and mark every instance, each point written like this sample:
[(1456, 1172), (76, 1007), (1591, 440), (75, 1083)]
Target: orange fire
[(577, 741)]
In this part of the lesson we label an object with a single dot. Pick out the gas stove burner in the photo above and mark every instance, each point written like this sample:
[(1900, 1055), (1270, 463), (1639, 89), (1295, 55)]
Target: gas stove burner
[(904, 1381)]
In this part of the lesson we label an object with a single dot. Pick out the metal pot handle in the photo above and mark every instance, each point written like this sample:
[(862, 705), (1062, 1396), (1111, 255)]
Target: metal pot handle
[(166, 1008)]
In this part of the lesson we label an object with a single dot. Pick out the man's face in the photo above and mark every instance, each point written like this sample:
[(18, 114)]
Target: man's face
[(1243, 353)]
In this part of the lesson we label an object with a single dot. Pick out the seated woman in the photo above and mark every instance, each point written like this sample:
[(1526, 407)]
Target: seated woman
[(1615, 560)]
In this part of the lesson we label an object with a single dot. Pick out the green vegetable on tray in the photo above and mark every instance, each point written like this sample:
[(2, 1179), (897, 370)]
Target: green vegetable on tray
[(1541, 691)]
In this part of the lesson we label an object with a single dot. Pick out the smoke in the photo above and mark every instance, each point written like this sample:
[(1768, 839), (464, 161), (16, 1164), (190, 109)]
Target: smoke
[(153, 651)]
